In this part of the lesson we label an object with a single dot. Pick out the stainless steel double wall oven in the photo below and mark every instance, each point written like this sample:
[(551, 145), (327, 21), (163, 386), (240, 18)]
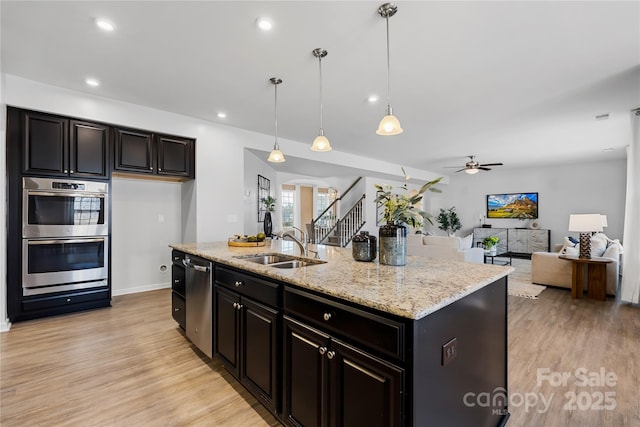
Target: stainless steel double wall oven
[(65, 235)]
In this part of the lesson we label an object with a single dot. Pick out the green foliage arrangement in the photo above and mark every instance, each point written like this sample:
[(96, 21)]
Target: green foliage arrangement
[(269, 203), (490, 242), (448, 220), (401, 208)]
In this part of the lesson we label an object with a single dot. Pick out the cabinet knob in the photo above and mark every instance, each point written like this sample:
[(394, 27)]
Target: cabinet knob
[(176, 281), (66, 171), (331, 354), (322, 350), (71, 171), (326, 317), (151, 168), (238, 283), (159, 170), (176, 258), (68, 299), (176, 309), (235, 305)]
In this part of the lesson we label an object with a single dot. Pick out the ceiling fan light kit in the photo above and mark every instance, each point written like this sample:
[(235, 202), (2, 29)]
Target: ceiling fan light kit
[(276, 156), (472, 166), (389, 125)]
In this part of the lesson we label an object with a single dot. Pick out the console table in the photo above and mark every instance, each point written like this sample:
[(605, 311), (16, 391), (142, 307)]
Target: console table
[(516, 241), (596, 276)]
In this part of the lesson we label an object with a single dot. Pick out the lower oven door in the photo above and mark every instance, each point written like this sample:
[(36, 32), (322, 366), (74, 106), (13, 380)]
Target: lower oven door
[(55, 265)]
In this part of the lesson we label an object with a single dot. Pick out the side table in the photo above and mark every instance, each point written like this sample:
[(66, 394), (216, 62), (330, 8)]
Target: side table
[(594, 270)]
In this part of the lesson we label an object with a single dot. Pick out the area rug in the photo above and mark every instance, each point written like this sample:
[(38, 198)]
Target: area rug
[(520, 280)]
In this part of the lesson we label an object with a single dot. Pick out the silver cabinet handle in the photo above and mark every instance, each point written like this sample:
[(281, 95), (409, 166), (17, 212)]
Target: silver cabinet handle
[(200, 268), (66, 171), (235, 305), (330, 354), (176, 281), (322, 350), (71, 171), (159, 170), (151, 168), (326, 317), (240, 306), (238, 283), (176, 309)]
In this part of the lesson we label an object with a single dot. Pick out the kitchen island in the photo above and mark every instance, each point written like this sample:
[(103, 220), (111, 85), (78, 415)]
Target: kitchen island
[(353, 343)]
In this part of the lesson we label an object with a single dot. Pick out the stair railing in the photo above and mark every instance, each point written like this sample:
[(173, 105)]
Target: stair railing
[(326, 222), (351, 223)]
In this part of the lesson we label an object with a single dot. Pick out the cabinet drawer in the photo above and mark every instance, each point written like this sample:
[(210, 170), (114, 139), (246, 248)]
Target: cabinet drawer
[(177, 257), (44, 302), (178, 309), (259, 289), (371, 330), (177, 279)]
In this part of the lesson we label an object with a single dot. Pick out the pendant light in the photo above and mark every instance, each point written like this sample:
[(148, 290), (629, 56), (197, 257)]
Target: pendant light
[(321, 143), (389, 125), (276, 155)]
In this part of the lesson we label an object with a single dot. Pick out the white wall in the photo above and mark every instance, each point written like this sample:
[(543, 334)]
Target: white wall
[(146, 218), (254, 166), (562, 190)]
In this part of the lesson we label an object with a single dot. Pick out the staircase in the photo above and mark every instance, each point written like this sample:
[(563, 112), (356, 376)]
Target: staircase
[(328, 230)]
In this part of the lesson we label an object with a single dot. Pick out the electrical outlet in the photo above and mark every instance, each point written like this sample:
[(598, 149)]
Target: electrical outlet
[(449, 351)]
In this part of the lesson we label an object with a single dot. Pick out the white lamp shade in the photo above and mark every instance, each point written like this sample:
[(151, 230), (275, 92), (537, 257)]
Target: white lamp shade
[(389, 125), (276, 156), (585, 223), (321, 143), (604, 221), (472, 171)]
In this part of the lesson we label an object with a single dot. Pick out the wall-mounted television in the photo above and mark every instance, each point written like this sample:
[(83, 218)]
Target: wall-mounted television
[(512, 205)]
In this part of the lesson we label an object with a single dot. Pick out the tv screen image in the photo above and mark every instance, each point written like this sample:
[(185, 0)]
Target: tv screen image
[(512, 205)]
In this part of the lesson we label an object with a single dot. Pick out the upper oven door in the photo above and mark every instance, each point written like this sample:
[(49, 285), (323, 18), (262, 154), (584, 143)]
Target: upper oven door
[(64, 212)]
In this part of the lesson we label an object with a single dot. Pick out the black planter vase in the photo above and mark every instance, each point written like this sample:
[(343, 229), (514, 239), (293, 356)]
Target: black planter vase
[(268, 225), (393, 244)]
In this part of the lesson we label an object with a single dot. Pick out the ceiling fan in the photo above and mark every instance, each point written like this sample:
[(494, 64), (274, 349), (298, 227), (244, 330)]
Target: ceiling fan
[(472, 166)]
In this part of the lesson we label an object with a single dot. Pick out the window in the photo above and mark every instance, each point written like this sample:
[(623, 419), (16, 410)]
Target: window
[(288, 205)]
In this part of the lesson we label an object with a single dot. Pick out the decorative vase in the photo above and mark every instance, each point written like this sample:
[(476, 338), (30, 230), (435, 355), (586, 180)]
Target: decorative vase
[(363, 247), (393, 244), (493, 250), (268, 225)]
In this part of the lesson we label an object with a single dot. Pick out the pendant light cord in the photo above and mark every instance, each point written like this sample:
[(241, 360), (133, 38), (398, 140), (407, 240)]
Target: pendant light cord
[(320, 67), (388, 70), (275, 109)]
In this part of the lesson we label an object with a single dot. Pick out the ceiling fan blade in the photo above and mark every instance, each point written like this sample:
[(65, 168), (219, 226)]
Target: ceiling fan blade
[(460, 170), (491, 164), (483, 168), (452, 167)]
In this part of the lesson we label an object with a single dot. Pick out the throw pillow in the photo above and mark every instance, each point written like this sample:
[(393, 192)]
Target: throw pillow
[(570, 245), (599, 242), (572, 250), (466, 242), (573, 240)]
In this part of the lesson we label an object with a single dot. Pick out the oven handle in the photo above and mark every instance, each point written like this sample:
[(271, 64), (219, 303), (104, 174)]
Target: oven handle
[(51, 242), (203, 269), (64, 193)]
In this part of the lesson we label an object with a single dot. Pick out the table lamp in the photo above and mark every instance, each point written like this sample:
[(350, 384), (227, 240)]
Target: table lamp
[(585, 224)]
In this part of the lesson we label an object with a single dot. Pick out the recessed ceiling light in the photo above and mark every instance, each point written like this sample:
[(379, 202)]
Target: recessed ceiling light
[(372, 99), (265, 24), (222, 115), (604, 116), (90, 81), (105, 24), (607, 149)]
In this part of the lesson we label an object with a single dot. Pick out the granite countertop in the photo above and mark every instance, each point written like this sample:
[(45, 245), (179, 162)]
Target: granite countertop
[(413, 291)]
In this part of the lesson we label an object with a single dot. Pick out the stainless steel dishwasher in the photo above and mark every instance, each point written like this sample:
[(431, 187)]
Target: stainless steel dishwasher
[(198, 295)]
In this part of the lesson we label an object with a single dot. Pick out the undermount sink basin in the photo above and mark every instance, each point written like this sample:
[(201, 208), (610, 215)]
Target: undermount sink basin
[(297, 263), (280, 260)]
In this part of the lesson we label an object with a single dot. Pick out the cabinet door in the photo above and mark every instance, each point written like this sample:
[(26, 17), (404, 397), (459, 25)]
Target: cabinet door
[(365, 390), (226, 327), (305, 388), (88, 150), (45, 144), (134, 151), (178, 309), (175, 156), (259, 349)]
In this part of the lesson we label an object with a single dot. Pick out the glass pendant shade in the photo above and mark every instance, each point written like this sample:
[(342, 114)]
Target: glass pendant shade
[(321, 143), (276, 155), (389, 125)]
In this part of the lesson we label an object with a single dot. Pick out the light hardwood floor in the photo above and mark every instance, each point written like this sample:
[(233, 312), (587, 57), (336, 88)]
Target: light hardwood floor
[(130, 365)]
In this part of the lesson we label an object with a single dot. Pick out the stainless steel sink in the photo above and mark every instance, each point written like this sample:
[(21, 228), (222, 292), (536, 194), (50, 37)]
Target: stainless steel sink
[(280, 260), (297, 263)]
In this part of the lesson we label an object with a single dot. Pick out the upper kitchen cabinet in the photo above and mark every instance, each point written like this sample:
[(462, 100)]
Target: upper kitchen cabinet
[(148, 153), (57, 146)]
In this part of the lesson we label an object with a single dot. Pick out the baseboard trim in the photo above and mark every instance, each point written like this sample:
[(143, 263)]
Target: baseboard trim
[(143, 288), (5, 325)]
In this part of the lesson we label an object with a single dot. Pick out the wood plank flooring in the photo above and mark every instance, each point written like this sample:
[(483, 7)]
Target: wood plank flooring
[(131, 365)]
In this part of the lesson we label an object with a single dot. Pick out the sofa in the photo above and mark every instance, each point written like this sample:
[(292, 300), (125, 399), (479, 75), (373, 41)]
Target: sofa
[(548, 269), (445, 247)]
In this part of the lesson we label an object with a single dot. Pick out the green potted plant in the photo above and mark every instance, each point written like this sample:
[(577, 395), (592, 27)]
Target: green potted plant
[(270, 205), (490, 243), (449, 221), (399, 209)]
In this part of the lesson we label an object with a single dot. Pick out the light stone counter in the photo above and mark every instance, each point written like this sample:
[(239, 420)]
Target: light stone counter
[(412, 291)]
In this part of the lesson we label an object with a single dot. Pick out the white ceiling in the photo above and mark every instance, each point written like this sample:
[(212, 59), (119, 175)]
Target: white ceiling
[(512, 82)]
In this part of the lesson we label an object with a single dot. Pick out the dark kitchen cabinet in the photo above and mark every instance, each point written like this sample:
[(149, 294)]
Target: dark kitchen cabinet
[(58, 146), (178, 303), (246, 332), (148, 153), (330, 383)]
